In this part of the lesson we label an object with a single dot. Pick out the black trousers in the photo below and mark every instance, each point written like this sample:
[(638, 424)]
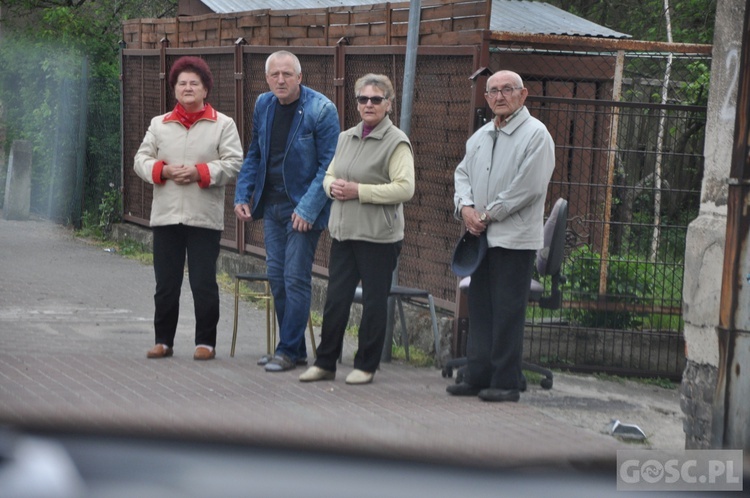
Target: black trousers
[(351, 261), (498, 296), (172, 243)]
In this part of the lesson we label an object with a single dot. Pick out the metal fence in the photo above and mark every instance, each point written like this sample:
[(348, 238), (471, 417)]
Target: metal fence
[(629, 151), (629, 132)]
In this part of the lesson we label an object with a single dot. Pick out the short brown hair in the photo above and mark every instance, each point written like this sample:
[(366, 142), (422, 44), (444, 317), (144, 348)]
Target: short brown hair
[(195, 65), (379, 81)]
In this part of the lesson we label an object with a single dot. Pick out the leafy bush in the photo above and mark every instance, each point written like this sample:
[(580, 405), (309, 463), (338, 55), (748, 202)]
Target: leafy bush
[(627, 281), (99, 223)]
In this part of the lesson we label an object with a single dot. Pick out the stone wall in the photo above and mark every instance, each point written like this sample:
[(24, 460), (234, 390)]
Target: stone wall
[(696, 401)]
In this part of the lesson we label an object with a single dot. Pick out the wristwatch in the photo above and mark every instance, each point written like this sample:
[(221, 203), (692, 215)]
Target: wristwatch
[(483, 217)]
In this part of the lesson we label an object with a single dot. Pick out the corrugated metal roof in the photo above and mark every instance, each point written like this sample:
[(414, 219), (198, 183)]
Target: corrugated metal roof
[(513, 16)]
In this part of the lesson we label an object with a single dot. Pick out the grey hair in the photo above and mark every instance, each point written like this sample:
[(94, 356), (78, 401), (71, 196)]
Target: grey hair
[(284, 53), (379, 81), (518, 81)]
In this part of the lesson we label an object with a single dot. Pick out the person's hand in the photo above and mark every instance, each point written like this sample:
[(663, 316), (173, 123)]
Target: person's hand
[(341, 190), (243, 212), (472, 220), (300, 224), (181, 175)]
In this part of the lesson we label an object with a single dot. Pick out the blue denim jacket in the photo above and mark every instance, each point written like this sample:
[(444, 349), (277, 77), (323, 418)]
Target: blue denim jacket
[(309, 150)]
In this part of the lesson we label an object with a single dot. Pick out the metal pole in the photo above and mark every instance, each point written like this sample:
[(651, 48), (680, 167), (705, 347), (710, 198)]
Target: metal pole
[(122, 45), (611, 166), (407, 96), (410, 65), (76, 209)]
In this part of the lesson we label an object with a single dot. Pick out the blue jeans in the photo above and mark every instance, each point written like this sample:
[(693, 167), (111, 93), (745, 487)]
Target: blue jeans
[(289, 259)]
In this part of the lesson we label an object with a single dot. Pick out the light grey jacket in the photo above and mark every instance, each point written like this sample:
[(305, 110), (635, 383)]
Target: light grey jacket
[(508, 178)]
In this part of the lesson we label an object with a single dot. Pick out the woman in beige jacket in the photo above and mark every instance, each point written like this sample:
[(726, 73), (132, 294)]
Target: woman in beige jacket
[(188, 155)]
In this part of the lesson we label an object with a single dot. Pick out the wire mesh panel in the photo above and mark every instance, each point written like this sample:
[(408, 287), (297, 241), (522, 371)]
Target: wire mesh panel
[(141, 102), (629, 159)]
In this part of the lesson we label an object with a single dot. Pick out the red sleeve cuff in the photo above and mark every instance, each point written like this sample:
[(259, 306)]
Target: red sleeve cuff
[(156, 173), (205, 180)]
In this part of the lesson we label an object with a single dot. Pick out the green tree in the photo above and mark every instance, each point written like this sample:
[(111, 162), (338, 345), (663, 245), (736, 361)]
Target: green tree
[(59, 68), (692, 20)]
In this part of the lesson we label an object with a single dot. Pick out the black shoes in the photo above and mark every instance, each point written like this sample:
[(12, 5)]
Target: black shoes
[(463, 389), (485, 394), (491, 394)]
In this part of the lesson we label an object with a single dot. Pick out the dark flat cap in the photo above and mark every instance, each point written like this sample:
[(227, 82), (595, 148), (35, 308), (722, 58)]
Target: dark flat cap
[(468, 253)]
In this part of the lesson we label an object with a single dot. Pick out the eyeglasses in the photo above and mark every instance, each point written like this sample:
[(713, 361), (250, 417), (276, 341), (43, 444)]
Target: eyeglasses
[(506, 91), (375, 100)]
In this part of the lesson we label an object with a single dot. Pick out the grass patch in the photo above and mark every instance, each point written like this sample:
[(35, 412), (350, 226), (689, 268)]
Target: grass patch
[(649, 381), (317, 318), (533, 378), (417, 357), (657, 381), (127, 247)]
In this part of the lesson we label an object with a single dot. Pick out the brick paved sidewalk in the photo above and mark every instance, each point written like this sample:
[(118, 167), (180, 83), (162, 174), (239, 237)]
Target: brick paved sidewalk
[(76, 321)]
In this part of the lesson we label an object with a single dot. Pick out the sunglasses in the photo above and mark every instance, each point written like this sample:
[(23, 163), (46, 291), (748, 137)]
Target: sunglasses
[(375, 100)]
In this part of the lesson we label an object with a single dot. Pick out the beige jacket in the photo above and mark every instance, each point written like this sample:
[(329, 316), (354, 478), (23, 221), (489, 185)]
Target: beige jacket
[(213, 145)]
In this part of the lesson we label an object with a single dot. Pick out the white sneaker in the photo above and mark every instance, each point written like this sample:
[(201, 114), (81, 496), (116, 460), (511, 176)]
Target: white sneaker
[(313, 374), (359, 377)]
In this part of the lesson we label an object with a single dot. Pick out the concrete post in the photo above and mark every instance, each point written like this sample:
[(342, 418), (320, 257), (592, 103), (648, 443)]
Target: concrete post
[(18, 182), (704, 253)]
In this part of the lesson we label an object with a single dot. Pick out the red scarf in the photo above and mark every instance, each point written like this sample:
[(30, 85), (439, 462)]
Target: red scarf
[(188, 119)]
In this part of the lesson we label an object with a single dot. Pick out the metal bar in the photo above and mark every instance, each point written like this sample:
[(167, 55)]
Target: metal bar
[(239, 112), (611, 166), (410, 65), (163, 75), (600, 43), (731, 410)]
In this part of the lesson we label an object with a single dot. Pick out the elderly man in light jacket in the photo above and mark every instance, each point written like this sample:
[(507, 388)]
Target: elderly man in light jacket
[(500, 189)]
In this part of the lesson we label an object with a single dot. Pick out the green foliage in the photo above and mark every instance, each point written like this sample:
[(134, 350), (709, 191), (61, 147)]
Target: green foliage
[(110, 208), (42, 96), (133, 249), (649, 381), (99, 224), (316, 318), (692, 20), (695, 86), (417, 357), (37, 94), (627, 281)]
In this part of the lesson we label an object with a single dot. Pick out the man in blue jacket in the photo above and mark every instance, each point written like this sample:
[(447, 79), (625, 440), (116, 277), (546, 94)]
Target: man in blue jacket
[(295, 130)]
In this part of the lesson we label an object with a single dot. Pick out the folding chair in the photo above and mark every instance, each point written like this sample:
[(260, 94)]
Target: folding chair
[(401, 293), (267, 297)]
